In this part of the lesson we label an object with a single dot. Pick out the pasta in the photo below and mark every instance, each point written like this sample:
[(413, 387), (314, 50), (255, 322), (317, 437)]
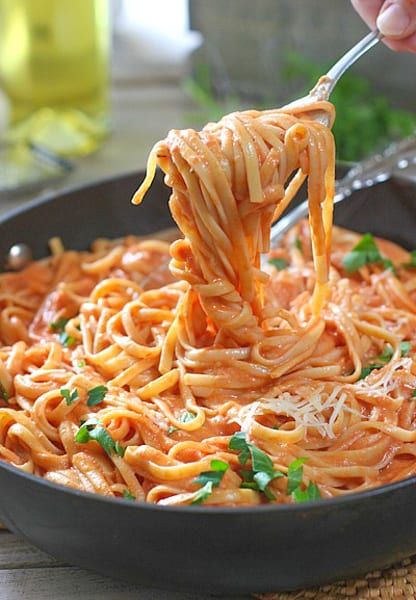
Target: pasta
[(184, 373)]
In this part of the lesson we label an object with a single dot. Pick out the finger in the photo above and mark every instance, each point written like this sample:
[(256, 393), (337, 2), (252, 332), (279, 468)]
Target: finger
[(368, 10), (406, 45), (397, 19)]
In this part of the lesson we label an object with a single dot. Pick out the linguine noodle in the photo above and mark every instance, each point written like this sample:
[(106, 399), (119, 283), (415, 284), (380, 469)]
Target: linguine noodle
[(206, 378)]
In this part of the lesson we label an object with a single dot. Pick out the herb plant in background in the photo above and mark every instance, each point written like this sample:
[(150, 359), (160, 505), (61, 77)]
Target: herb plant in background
[(358, 106)]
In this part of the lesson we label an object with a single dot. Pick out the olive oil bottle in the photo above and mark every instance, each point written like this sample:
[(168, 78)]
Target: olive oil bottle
[(54, 58)]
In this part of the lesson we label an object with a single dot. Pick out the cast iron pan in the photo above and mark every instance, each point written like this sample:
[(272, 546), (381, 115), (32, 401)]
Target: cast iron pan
[(267, 548)]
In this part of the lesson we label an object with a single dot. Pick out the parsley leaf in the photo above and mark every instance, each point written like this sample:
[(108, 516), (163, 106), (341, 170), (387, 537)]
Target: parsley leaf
[(69, 396), (4, 395), (298, 244), (262, 472), (310, 493), (239, 443), (385, 357), (203, 493), (187, 416), (405, 348), (366, 252), (279, 263), (414, 394), (66, 340), (81, 363), (412, 263), (218, 469), (128, 495), (92, 429), (96, 395), (59, 325), (295, 474)]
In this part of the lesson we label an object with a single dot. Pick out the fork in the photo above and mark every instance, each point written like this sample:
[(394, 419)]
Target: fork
[(375, 169), (326, 83)]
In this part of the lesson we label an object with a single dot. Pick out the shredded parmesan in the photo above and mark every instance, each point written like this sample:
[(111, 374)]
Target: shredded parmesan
[(308, 410)]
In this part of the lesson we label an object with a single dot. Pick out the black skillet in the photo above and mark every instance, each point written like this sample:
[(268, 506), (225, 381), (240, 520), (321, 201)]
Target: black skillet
[(269, 548)]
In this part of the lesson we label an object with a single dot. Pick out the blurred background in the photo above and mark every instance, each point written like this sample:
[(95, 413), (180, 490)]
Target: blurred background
[(87, 86)]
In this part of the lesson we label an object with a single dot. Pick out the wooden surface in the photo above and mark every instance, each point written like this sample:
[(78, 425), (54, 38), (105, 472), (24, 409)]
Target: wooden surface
[(28, 574)]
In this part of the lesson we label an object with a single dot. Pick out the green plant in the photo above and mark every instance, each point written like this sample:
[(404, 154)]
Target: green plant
[(359, 108), (365, 120)]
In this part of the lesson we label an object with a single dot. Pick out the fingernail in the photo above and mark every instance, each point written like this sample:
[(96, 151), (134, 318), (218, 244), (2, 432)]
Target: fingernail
[(393, 21)]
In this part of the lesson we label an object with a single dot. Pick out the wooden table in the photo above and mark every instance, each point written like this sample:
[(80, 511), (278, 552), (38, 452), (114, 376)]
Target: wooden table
[(29, 574)]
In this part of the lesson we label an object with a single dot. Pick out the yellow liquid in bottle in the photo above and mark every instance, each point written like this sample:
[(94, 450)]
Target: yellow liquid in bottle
[(54, 71)]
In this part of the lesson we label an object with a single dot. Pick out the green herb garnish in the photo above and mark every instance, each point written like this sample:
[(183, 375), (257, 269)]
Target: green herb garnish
[(203, 493), (412, 262), (295, 474), (59, 325), (279, 263), (81, 363), (364, 253), (294, 483), (68, 395), (298, 244), (96, 395), (171, 429), (187, 416), (93, 430), (262, 472), (385, 357), (4, 395), (128, 495), (66, 340), (310, 493), (218, 469)]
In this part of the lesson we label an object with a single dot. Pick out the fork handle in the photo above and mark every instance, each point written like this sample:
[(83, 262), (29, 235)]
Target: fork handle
[(370, 171)]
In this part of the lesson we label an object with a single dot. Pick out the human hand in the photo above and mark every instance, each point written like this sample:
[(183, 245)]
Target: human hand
[(395, 19)]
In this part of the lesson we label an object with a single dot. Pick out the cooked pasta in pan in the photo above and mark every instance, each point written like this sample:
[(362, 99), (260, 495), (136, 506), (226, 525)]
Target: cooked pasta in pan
[(186, 373)]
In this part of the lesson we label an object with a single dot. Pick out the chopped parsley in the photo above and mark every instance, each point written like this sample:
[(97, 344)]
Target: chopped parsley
[(384, 358), (187, 416), (59, 325), (69, 396), (295, 475), (128, 495), (414, 394), (310, 493), (294, 483), (4, 395), (66, 340), (298, 244), (262, 472), (203, 493), (171, 429), (412, 263), (93, 430), (81, 363), (279, 263), (366, 252), (96, 395), (209, 480)]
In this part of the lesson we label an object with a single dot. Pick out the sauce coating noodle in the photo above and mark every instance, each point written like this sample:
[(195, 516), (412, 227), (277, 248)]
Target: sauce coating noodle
[(126, 376)]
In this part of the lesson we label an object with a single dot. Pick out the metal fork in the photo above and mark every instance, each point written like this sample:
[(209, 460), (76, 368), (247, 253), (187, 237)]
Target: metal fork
[(372, 170), (326, 83)]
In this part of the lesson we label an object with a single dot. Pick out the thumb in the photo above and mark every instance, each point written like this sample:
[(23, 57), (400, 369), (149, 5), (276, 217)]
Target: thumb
[(397, 19)]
